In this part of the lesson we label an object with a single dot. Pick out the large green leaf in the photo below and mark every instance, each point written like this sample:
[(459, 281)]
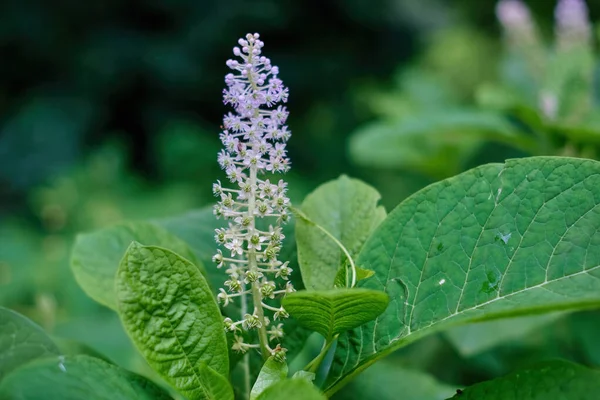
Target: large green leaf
[(435, 144), (96, 255), (271, 372), (75, 378), (386, 380), (549, 380), (498, 240), (170, 314), (330, 312), (21, 341), (347, 208), (292, 389)]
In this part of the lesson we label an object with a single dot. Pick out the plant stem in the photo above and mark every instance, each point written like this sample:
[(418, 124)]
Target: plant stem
[(246, 359), (252, 266), (313, 366)]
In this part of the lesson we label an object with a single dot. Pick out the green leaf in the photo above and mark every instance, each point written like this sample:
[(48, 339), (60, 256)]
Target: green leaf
[(549, 380), (308, 376), (21, 341), (96, 255), (170, 314), (435, 144), (386, 380), (496, 241), (292, 389), (330, 312), (272, 372), (347, 208), (341, 276), (473, 339), (75, 378)]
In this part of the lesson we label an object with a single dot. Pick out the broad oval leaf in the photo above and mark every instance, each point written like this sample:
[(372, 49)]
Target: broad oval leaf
[(170, 314), (271, 372), (548, 380), (347, 208), (330, 312), (292, 389), (21, 341), (75, 378), (96, 255), (498, 240)]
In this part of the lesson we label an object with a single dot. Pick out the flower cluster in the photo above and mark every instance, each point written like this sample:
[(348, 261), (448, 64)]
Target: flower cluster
[(254, 140), (516, 20), (572, 23)]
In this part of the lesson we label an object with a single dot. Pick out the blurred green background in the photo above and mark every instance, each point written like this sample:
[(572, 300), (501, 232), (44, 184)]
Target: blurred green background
[(111, 110)]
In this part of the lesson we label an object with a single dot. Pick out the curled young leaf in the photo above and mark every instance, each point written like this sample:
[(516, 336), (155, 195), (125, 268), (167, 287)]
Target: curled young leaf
[(330, 312)]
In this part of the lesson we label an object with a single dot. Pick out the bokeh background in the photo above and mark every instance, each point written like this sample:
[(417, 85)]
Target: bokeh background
[(111, 110)]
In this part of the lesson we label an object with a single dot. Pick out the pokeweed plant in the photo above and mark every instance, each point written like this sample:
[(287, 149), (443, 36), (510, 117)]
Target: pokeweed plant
[(497, 241)]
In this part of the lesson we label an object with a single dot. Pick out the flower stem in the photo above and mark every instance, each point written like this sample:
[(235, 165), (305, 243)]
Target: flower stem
[(246, 359), (313, 366), (252, 266)]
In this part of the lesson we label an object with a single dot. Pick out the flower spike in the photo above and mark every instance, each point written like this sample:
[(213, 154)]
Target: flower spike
[(254, 139)]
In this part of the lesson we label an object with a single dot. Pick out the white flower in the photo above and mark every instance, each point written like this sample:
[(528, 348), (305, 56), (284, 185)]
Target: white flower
[(276, 332), (223, 297)]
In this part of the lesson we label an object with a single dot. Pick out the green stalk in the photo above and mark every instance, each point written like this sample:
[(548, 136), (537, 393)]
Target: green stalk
[(252, 266), (314, 365)]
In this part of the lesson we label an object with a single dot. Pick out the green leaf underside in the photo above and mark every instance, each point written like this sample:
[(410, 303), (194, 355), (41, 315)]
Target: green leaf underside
[(21, 341), (292, 389), (330, 312), (170, 314), (499, 240), (75, 378), (96, 255), (549, 380), (347, 208), (272, 372)]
